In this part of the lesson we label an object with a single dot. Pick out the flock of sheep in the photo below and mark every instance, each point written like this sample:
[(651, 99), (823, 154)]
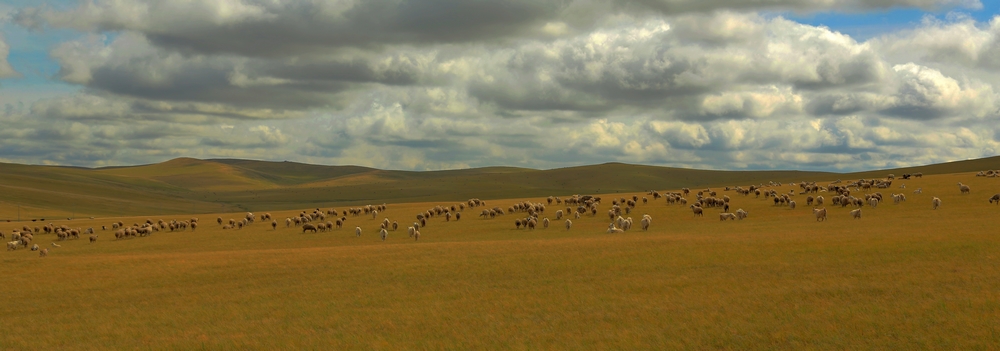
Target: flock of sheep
[(530, 215)]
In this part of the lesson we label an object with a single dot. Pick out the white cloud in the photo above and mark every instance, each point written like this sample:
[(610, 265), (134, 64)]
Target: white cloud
[(6, 71)]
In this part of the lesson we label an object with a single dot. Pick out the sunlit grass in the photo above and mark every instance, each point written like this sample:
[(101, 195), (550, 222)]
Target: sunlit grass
[(903, 277)]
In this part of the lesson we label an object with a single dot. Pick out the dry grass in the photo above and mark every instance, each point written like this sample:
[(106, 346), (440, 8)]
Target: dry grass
[(902, 277)]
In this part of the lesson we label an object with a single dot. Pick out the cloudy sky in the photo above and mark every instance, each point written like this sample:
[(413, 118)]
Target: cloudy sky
[(836, 85)]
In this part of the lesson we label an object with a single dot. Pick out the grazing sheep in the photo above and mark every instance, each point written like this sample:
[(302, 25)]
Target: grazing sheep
[(820, 214), (697, 211), (357, 231), (725, 216), (34, 247), (43, 253), (12, 245), (856, 213), (741, 214), (819, 201), (569, 224), (936, 202), (995, 198), (308, 226), (93, 239), (383, 233)]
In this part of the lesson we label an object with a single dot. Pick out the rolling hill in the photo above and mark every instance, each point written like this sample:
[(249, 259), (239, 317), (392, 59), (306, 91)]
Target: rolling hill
[(187, 185)]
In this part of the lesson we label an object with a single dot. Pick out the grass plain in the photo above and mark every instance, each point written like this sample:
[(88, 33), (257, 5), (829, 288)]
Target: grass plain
[(902, 277)]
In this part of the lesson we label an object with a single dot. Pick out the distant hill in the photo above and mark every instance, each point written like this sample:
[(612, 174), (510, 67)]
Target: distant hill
[(187, 185)]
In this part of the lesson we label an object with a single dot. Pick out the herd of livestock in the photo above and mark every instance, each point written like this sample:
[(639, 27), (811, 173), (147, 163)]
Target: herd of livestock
[(529, 215)]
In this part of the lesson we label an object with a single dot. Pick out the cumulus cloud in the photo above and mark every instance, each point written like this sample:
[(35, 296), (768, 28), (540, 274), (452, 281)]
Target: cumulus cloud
[(437, 84), (6, 71)]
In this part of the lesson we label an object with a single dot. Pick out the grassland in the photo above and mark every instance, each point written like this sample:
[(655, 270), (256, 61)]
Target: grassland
[(187, 185), (902, 277)]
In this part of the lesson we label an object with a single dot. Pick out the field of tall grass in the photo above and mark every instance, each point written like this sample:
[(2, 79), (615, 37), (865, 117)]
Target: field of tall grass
[(902, 277)]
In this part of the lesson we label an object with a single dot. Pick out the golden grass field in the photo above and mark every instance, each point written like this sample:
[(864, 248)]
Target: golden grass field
[(902, 277)]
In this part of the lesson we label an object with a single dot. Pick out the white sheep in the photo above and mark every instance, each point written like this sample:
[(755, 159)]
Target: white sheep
[(936, 202), (964, 188), (12, 245), (545, 222), (613, 229), (741, 214), (416, 235), (559, 214), (569, 224), (383, 233), (357, 231), (856, 214), (725, 216), (820, 214), (34, 247), (644, 223)]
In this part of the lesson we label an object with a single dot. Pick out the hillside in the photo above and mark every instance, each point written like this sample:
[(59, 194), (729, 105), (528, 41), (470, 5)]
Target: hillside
[(187, 185)]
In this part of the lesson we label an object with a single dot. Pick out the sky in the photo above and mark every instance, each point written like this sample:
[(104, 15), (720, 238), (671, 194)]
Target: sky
[(826, 85)]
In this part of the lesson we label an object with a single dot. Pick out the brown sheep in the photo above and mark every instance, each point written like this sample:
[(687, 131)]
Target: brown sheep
[(93, 239), (307, 227), (43, 253)]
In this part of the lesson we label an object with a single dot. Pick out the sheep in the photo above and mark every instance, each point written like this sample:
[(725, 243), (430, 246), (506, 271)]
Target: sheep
[(725, 216), (458, 215), (856, 213), (644, 223), (963, 188), (820, 214), (93, 239), (43, 253), (741, 214), (994, 199), (936, 202), (612, 229), (697, 211), (383, 233), (416, 235), (308, 226), (34, 247), (410, 230), (357, 231), (545, 222), (791, 204), (559, 214), (12, 245)]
